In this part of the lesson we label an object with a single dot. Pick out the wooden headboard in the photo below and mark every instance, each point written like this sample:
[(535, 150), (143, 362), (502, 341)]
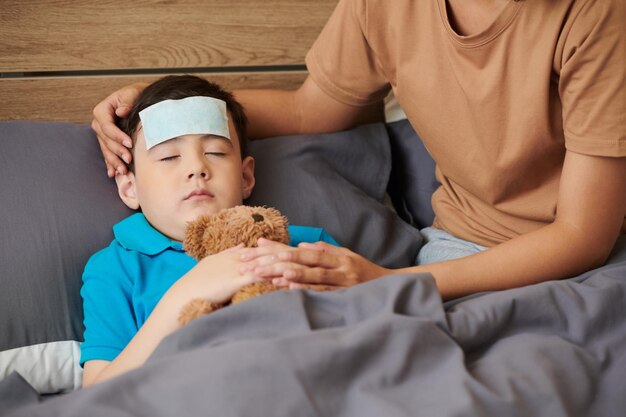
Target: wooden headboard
[(60, 58)]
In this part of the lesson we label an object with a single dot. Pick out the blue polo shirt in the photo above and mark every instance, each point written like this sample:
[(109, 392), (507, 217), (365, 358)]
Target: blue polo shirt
[(124, 282)]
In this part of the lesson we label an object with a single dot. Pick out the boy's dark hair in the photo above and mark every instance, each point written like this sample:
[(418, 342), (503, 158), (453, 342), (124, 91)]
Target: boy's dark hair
[(176, 87)]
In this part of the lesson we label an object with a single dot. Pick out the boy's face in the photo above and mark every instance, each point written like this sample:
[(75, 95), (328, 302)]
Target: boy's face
[(182, 178)]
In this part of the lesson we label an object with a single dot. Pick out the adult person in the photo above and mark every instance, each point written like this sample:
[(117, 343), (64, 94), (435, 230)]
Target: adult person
[(520, 103)]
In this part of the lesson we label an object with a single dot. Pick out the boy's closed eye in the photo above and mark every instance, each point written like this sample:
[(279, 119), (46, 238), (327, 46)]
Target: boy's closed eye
[(215, 153), (217, 147), (207, 153), (169, 158)]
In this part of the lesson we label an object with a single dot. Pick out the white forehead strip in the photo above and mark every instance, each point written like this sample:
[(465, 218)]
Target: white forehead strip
[(192, 115)]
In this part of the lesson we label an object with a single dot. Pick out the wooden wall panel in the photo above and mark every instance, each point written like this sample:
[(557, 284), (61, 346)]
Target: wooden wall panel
[(72, 99), (70, 35)]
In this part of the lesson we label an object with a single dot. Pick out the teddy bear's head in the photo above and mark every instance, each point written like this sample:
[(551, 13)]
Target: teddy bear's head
[(229, 227)]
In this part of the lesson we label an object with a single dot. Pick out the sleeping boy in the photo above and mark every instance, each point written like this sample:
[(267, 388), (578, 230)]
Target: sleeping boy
[(189, 160)]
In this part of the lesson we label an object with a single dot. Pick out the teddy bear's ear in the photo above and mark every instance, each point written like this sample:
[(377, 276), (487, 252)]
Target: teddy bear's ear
[(194, 244), (278, 223)]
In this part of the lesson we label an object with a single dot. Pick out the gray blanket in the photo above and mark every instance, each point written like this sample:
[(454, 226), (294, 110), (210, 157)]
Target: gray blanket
[(386, 348)]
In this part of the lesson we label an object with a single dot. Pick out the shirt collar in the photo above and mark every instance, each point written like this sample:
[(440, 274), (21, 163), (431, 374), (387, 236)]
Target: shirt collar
[(135, 233)]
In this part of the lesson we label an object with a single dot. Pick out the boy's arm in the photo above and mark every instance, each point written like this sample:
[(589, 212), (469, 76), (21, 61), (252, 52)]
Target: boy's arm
[(161, 323), (215, 278), (591, 208)]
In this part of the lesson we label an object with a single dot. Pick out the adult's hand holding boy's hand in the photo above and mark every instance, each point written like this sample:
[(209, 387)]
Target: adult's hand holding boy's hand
[(309, 265), (113, 142)]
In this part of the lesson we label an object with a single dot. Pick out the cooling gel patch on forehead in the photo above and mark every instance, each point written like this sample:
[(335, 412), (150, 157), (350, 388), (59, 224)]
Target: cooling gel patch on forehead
[(192, 115)]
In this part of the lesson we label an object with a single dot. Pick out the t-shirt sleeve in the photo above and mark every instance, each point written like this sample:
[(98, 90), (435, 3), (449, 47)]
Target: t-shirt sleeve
[(341, 61), (308, 234), (592, 84), (107, 304)]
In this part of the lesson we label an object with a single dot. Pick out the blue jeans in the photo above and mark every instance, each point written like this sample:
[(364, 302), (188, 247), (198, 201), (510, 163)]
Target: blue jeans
[(441, 246)]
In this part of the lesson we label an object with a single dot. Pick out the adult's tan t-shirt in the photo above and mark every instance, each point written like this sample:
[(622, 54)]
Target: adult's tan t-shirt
[(497, 109)]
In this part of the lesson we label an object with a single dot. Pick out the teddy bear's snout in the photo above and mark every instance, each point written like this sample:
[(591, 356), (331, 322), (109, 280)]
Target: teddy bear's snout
[(257, 217)]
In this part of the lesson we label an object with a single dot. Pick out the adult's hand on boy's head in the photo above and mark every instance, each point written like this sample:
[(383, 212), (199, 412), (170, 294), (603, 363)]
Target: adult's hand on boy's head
[(113, 142)]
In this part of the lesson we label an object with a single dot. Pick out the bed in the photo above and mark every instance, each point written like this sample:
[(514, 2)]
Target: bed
[(388, 347)]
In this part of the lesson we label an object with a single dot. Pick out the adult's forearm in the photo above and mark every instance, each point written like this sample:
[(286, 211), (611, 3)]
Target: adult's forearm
[(269, 112), (590, 214), (305, 110), (553, 252)]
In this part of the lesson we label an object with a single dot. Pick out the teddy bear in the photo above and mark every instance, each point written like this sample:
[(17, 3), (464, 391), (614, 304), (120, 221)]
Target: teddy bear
[(225, 229)]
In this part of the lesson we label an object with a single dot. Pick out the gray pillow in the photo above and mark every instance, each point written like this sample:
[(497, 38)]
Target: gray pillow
[(412, 181), (337, 181), (59, 207)]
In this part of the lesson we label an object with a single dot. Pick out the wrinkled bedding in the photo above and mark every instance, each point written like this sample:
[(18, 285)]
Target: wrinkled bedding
[(389, 347)]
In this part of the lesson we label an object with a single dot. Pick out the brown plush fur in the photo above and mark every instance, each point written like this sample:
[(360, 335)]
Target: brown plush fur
[(225, 229)]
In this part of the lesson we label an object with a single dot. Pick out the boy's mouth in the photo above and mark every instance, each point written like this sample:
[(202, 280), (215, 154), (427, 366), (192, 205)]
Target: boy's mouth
[(199, 194)]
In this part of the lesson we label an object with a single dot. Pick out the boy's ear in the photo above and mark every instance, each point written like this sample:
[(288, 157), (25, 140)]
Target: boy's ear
[(127, 189), (247, 173)]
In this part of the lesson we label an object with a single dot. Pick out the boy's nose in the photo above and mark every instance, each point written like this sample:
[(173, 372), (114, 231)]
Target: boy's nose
[(198, 170), (198, 174)]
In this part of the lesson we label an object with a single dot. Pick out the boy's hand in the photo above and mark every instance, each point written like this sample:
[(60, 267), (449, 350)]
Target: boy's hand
[(215, 278), (113, 142)]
